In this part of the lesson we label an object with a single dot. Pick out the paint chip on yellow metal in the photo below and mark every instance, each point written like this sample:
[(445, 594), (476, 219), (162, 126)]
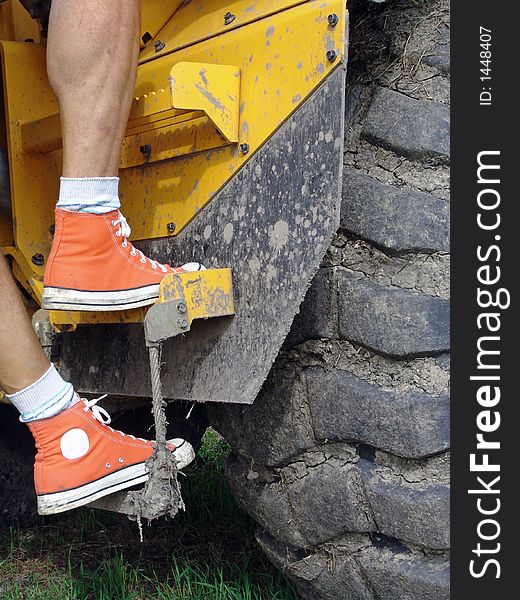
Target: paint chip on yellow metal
[(215, 89), (206, 293)]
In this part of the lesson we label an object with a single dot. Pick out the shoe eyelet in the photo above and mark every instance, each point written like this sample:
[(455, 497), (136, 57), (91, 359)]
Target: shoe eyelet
[(121, 460), (118, 233), (124, 244), (107, 465), (154, 266), (143, 260), (113, 223)]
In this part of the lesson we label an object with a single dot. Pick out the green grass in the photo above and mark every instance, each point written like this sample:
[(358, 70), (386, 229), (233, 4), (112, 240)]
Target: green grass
[(206, 553)]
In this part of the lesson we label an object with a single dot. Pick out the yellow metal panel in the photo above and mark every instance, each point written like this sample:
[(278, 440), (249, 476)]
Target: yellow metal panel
[(282, 59), (6, 231), (24, 272), (16, 23), (34, 177), (200, 20), (157, 120), (215, 89), (170, 141), (151, 98), (154, 15), (42, 135)]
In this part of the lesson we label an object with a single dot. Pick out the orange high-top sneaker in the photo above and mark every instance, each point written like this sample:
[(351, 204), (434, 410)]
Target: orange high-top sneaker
[(80, 458), (93, 267)]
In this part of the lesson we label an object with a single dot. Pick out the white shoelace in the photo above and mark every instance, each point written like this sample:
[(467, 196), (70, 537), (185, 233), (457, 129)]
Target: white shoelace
[(124, 231), (101, 415)]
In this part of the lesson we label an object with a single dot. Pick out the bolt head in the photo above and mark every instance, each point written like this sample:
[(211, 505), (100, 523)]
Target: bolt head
[(182, 323), (244, 148), (331, 55), (182, 308), (333, 19), (38, 259), (145, 150), (170, 227), (229, 18), (159, 46)]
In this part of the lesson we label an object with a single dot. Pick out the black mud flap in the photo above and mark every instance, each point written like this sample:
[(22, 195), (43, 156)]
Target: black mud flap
[(272, 224)]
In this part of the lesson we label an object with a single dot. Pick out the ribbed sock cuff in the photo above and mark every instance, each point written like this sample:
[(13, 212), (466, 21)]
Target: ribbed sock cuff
[(44, 398), (97, 195)]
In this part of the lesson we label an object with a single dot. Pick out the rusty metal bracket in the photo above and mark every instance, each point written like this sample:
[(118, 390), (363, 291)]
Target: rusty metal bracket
[(165, 320)]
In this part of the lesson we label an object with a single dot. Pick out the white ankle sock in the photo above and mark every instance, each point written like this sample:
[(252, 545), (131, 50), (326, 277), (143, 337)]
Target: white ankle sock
[(44, 398), (96, 195)]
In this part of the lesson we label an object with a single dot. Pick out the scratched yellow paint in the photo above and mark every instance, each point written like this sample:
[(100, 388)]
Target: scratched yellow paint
[(206, 293), (279, 48), (199, 20), (214, 89)]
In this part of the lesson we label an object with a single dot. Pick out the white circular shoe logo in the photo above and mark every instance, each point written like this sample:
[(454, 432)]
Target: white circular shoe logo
[(74, 443)]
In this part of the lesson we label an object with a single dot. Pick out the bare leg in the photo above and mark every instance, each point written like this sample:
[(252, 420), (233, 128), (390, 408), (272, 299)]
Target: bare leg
[(92, 55), (92, 52), (22, 360)]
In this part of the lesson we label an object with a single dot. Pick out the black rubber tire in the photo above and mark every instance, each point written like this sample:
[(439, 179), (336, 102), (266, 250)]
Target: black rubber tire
[(343, 459), (17, 452)]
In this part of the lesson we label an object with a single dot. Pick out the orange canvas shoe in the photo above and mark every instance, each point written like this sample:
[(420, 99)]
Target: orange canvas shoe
[(93, 267), (80, 458)]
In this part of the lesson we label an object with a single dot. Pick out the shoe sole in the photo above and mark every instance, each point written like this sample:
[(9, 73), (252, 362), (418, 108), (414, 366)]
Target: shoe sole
[(50, 504), (65, 299)]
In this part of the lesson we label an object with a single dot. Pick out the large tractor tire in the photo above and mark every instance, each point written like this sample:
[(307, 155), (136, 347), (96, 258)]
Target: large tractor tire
[(343, 459)]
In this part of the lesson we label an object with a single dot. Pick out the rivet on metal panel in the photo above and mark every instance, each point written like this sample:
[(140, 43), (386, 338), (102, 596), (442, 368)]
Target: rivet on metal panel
[(182, 323), (38, 259), (331, 55), (145, 150), (229, 18), (181, 307), (244, 148), (333, 19), (170, 227), (159, 45)]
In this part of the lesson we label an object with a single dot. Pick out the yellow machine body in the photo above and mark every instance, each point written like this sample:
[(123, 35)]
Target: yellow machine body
[(207, 97)]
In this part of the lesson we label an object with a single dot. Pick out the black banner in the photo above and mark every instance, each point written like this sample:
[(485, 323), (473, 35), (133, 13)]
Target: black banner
[(484, 325)]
